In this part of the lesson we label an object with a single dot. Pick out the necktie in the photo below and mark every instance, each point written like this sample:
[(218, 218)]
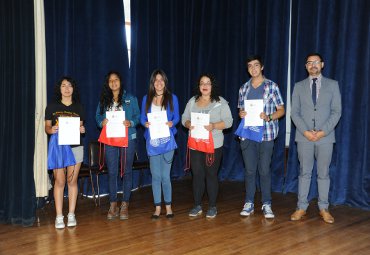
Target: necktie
[(314, 90)]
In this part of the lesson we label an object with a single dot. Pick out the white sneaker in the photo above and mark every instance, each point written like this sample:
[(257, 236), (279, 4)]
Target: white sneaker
[(71, 220), (59, 222), (248, 209), (267, 211)]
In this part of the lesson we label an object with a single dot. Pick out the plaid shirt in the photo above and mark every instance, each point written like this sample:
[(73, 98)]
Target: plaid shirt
[(271, 99)]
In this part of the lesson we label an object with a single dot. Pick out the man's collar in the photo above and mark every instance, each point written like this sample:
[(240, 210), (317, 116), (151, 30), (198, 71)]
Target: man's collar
[(318, 77)]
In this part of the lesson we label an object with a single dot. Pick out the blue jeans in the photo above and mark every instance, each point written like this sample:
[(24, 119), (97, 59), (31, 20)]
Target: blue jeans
[(257, 156), (112, 157), (160, 167)]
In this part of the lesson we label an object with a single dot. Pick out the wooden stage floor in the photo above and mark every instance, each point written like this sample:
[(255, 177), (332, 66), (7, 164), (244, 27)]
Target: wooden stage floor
[(228, 233)]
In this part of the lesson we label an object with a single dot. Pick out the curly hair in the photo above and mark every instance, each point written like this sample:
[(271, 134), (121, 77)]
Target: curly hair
[(58, 94), (106, 96), (215, 94), (167, 95)]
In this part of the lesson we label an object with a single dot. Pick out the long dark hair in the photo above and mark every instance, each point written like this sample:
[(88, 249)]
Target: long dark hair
[(215, 94), (106, 96), (58, 94), (167, 95)]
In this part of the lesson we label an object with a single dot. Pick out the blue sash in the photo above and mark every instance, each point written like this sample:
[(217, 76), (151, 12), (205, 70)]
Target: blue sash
[(160, 145), (251, 133), (59, 156)]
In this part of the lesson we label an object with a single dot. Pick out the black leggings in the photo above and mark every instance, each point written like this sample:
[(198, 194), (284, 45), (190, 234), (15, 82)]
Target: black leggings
[(202, 174)]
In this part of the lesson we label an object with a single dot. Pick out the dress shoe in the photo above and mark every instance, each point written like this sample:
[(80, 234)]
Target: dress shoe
[(326, 216), (169, 212), (170, 215), (155, 217), (298, 215)]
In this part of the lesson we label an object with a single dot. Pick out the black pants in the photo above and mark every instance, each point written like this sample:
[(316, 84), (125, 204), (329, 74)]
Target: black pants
[(204, 174)]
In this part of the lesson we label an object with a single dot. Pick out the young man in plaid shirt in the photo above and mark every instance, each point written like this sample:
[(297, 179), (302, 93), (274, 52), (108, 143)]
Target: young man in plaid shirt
[(257, 155)]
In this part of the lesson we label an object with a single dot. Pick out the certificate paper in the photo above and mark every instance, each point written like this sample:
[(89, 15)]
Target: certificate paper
[(253, 109), (69, 131), (158, 127), (115, 127), (198, 121)]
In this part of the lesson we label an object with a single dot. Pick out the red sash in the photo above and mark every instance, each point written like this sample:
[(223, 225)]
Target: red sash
[(113, 141), (203, 145)]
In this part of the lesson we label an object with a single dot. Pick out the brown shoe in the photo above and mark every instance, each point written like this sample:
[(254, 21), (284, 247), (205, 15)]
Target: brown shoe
[(113, 211), (326, 216), (298, 215), (123, 215)]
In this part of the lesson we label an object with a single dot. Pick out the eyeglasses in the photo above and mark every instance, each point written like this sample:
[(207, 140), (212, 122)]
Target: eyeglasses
[(205, 84), (313, 63)]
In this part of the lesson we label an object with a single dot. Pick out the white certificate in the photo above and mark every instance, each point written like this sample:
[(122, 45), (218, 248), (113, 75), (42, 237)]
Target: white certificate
[(69, 130), (198, 121), (253, 109), (115, 126), (158, 127)]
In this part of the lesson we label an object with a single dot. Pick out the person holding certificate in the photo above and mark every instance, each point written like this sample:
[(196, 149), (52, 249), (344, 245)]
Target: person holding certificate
[(212, 113), (160, 114), (114, 98), (259, 100), (66, 104)]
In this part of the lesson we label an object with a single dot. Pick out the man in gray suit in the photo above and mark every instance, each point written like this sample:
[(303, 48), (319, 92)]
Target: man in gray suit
[(316, 110)]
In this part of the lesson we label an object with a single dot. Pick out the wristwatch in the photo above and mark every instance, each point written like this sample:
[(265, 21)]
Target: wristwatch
[(270, 117)]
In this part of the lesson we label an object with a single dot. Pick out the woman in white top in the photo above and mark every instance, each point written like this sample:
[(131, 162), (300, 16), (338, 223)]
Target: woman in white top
[(160, 98)]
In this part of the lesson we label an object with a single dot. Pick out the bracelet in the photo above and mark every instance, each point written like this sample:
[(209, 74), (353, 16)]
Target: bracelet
[(270, 117)]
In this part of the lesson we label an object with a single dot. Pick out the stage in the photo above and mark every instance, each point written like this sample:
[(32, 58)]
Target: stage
[(228, 233)]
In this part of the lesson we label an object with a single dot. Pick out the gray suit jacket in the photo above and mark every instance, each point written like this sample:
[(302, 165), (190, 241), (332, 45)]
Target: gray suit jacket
[(324, 116)]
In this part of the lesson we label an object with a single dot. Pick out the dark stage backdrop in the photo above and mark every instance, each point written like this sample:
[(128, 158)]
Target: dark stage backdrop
[(340, 31), (85, 40), (187, 38), (17, 117)]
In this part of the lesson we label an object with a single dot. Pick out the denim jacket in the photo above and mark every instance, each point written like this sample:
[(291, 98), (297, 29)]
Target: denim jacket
[(132, 112)]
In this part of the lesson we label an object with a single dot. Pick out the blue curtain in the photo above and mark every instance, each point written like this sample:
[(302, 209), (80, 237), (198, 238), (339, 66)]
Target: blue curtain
[(340, 31), (186, 38), (85, 39), (17, 117)]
